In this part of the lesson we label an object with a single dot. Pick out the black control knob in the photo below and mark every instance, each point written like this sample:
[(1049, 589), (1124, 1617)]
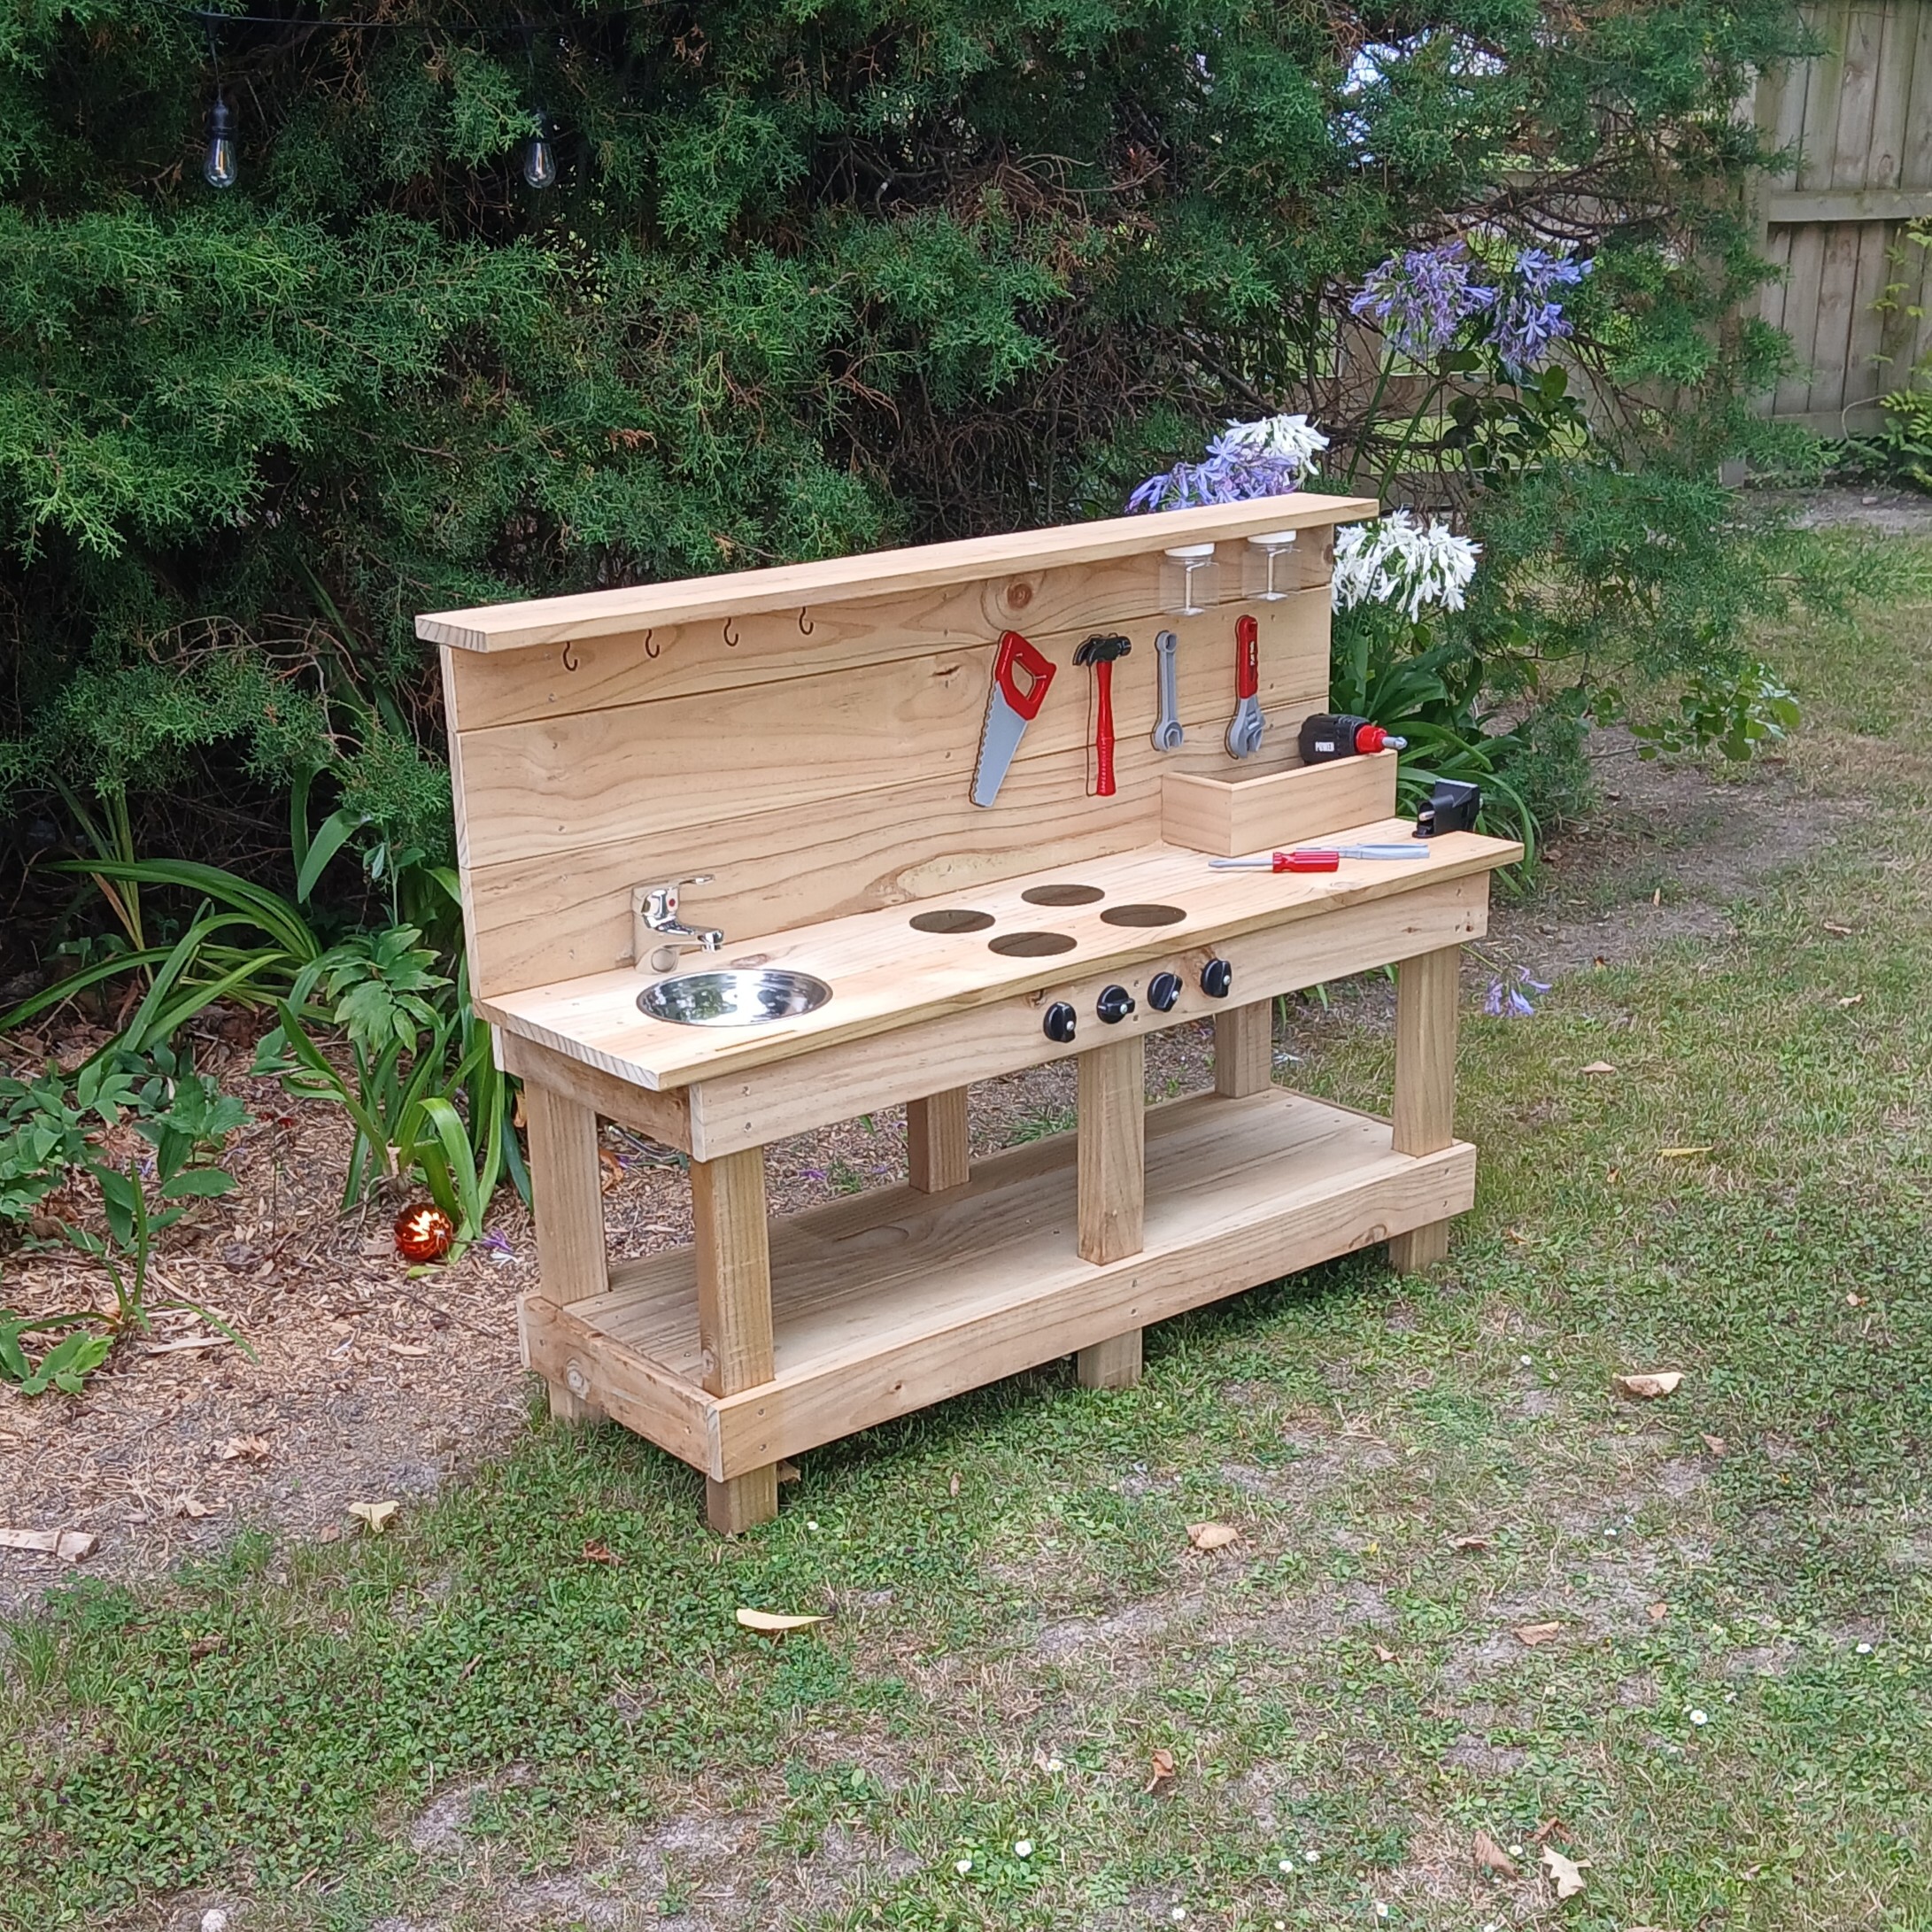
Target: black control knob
[(1060, 1022), (1217, 979), (1163, 991), (1114, 1005)]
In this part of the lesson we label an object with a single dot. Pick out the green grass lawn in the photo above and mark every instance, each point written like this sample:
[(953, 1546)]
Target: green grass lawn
[(470, 1722)]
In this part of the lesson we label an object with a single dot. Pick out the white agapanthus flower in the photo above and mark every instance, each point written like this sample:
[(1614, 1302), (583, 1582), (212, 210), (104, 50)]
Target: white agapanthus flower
[(1294, 442), (1395, 560)]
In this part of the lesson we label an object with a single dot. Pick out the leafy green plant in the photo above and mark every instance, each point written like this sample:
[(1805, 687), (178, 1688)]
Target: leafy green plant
[(45, 1124), (202, 964), (64, 1365), (1737, 715), (186, 1120), (185, 1136), (406, 1059), (1902, 448)]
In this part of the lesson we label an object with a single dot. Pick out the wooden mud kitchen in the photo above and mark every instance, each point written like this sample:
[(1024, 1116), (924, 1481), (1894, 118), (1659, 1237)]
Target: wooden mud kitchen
[(745, 855)]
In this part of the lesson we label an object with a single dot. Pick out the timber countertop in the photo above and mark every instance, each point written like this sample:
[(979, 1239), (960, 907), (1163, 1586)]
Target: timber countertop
[(886, 974)]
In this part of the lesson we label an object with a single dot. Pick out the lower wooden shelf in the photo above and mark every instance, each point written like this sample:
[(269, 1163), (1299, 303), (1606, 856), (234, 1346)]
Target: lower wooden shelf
[(893, 1300)]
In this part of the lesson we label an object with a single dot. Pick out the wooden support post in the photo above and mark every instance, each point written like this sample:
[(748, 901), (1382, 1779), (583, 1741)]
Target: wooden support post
[(936, 1155), (1244, 1050), (734, 1314), (1112, 1363), (1424, 1109), (567, 1197), (1112, 1179)]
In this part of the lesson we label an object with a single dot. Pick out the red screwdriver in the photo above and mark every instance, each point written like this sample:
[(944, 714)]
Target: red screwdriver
[(1318, 857)]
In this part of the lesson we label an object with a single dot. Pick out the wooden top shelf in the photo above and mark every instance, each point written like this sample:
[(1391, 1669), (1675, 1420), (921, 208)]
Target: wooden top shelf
[(886, 974), (880, 572)]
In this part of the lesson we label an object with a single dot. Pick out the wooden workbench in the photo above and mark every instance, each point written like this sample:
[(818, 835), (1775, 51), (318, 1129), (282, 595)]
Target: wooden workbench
[(807, 735)]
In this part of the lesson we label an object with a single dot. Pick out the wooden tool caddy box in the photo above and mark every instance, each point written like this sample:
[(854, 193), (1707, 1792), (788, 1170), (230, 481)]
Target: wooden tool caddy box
[(807, 736)]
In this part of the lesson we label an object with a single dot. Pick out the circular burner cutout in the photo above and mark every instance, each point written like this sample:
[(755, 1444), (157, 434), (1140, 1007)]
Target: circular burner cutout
[(1031, 944), (951, 919), (1062, 895), (1142, 916)]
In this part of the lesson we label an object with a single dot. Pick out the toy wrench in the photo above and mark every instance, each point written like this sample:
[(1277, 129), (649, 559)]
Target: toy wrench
[(1246, 726), (1167, 731)]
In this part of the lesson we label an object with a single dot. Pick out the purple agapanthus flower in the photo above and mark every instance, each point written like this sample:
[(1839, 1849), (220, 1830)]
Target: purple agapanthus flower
[(1528, 319), (1420, 299), (1262, 459), (1503, 1001)]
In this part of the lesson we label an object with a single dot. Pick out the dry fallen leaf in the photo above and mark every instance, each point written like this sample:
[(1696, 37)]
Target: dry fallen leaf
[(1842, 932), (375, 1516), (1853, 1300), (1659, 1611), (789, 1472), (192, 1506), (204, 1647), (775, 1623), (1533, 1633), (1162, 1765), (1683, 1153), (1212, 1535), (1715, 1444), (1383, 1652), (70, 1545), (594, 1552), (1565, 1874), (1853, 999), (1597, 1066), (405, 1347), (1468, 1543), (613, 1169), (186, 1342), (1647, 1386), (1491, 1856), (329, 1533), (242, 1449)]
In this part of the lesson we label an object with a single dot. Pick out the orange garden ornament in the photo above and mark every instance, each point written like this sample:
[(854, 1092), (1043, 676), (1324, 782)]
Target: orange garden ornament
[(424, 1232)]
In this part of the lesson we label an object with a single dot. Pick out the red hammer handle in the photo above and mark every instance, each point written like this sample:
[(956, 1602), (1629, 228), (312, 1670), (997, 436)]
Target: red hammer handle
[(1104, 730)]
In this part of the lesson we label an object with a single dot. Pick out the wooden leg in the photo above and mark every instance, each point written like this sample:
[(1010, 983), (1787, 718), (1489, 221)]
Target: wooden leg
[(1244, 1050), (1112, 1173), (567, 1193), (1424, 1110), (1112, 1151), (936, 1156), (1112, 1363), (734, 1313)]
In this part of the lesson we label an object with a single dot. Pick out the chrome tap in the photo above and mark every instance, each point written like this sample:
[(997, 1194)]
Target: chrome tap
[(658, 934)]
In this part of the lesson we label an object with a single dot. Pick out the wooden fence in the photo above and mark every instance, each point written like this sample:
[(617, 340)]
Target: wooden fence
[(1860, 118)]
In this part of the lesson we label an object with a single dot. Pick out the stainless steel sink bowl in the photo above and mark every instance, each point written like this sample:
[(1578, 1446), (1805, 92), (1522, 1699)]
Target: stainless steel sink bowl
[(736, 998)]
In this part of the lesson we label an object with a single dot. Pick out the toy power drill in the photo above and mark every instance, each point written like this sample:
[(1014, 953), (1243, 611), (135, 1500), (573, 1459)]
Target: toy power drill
[(1324, 737)]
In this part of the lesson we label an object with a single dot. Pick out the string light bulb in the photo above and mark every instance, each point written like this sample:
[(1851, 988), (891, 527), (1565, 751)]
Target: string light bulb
[(539, 164), (218, 164)]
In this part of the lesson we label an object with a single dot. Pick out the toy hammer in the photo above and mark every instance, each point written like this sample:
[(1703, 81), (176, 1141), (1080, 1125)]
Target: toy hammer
[(1100, 652)]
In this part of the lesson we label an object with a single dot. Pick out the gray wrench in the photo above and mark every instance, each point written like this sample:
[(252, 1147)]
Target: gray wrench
[(1167, 731)]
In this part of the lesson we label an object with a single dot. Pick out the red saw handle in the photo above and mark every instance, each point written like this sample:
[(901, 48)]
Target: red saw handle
[(1247, 657), (1104, 731), (1017, 655)]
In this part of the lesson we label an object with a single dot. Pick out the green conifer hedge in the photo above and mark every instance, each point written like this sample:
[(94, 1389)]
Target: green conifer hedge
[(813, 276)]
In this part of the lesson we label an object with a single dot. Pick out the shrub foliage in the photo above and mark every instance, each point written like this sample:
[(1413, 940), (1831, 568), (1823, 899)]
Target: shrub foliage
[(812, 277)]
